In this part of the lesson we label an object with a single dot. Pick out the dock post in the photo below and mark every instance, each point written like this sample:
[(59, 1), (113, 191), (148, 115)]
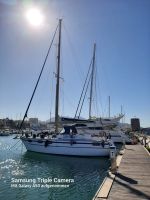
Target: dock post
[(144, 140), (124, 143), (113, 160)]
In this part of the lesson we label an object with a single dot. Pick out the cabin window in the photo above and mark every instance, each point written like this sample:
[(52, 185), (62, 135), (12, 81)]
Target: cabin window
[(95, 128), (80, 125)]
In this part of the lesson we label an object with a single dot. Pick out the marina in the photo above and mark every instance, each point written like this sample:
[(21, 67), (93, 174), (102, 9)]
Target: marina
[(74, 100)]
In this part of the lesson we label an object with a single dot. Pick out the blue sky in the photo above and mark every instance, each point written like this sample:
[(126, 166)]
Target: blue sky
[(121, 30)]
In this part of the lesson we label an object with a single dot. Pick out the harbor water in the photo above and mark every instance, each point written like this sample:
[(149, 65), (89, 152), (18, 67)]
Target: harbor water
[(32, 176)]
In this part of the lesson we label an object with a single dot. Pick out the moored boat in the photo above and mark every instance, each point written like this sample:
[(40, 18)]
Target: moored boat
[(69, 143), (4, 133)]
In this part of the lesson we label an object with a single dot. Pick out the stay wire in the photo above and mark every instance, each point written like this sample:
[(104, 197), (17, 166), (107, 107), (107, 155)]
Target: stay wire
[(77, 65), (25, 115), (85, 95), (14, 145), (83, 91)]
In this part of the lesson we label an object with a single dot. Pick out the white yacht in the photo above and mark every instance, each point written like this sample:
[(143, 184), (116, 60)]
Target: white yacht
[(95, 127), (102, 121), (5, 132), (69, 143), (117, 136)]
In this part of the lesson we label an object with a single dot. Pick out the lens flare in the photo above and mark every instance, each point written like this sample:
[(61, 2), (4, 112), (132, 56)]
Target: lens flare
[(34, 17)]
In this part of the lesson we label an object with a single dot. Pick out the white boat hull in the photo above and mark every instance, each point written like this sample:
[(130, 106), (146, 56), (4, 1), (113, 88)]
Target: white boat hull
[(4, 134), (66, 148)]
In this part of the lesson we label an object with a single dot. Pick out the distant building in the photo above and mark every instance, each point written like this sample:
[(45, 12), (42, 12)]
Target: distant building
[(1, 124), (135, 124), (33, 122), (7, 123)]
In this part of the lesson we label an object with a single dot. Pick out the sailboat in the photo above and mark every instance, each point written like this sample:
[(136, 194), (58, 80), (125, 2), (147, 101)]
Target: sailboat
[(107, 121), (69, 141), (99, 127)]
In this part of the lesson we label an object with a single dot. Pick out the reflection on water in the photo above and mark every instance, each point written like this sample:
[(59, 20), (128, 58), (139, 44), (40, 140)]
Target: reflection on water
[(87, 173)]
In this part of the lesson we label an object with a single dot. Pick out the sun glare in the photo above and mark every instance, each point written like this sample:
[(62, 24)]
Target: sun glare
[(34, 17)]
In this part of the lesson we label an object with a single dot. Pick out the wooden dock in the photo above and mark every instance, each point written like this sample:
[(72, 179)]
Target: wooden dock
[(132, 181)]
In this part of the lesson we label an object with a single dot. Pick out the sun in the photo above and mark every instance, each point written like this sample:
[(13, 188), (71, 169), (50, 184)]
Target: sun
[(34, 16)]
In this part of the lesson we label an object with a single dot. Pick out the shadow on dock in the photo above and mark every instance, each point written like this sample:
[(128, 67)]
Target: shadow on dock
[(126, 179), (130, 149), (135, 191)]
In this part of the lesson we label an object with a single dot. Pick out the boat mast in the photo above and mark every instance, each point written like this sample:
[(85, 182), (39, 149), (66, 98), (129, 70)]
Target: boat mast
[(122, 112), (92, 75), (109, 106), (121, 109), (57, 80)]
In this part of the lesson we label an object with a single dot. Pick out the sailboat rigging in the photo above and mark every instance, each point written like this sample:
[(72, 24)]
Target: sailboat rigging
[(92, 75), (68, 142), (26, 112), (90, 81), (95, 126)]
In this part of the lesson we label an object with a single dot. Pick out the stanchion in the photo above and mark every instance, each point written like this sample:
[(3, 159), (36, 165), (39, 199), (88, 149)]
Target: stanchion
[(144, 140), (113, 160), (124, 143)]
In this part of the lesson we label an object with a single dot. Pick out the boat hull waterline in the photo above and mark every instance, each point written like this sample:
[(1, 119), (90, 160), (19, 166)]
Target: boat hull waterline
[(78, 149)]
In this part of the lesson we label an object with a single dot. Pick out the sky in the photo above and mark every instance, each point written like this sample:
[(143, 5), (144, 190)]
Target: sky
[(121, 31)]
